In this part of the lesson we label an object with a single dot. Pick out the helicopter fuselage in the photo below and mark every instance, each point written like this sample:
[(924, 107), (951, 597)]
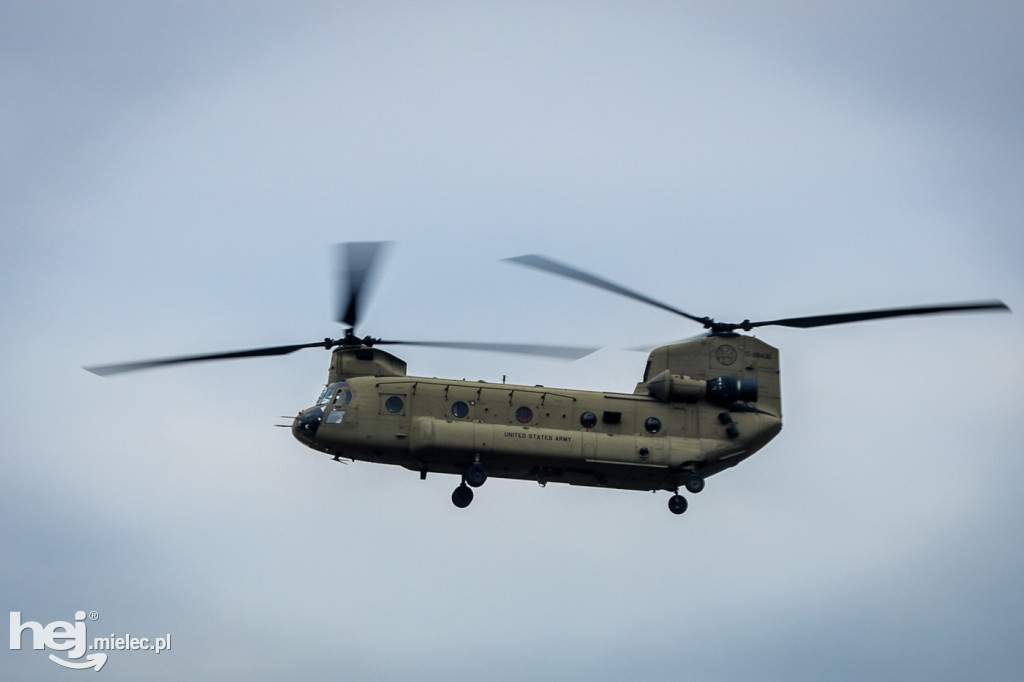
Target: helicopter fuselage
[(702, 407)]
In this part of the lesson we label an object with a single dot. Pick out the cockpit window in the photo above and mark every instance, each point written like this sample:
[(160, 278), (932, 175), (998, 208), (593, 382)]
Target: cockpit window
[(338, 391)]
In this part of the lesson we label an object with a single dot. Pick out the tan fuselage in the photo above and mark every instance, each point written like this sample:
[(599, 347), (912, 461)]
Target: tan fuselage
[(648, 440)]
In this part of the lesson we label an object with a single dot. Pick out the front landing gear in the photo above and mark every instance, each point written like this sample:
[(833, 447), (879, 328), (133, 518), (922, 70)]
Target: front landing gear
[(677, 504), (462, 496), (473, 477)]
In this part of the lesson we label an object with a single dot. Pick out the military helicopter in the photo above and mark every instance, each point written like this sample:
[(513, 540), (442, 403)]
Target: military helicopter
[(703, 405)]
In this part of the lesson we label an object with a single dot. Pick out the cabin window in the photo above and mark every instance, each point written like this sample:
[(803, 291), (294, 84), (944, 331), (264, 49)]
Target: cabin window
[(459, 409), (588, 420), (394, 404), (610, 417), (653, 425), (524, 415)]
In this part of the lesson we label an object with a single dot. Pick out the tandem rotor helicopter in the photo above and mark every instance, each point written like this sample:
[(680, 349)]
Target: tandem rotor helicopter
[(702, 406)]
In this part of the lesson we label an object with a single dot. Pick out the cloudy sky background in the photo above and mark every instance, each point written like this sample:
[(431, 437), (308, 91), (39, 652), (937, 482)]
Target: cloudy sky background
[(173, 176)]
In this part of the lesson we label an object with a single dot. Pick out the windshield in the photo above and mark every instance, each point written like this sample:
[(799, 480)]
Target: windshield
[(343, 394), (339, 393)]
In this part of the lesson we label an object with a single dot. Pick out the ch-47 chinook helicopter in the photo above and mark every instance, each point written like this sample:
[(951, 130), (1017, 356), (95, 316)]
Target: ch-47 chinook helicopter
[(702, 406)]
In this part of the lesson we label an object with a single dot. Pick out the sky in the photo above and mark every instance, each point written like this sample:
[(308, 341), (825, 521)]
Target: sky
[(172, 178)]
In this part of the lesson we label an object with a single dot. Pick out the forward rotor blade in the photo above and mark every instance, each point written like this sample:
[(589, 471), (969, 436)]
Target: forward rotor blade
[(356, 265), (547, 265), (842, 318), (563, 352), (107, 370)]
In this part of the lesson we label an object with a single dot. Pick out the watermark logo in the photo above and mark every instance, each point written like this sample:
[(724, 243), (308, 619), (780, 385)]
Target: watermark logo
[(72, 637)]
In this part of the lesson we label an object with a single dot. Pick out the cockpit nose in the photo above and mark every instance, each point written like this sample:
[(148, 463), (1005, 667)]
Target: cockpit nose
[(306, 424)]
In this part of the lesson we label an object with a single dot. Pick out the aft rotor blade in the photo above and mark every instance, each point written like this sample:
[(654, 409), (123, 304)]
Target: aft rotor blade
[(563, 352), (842, 318), (648, 347), (356, 265), (547, 265), (107, 370)]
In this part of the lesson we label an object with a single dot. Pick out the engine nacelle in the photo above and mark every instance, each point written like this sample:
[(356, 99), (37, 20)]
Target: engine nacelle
[(674, 388), (725, 391)]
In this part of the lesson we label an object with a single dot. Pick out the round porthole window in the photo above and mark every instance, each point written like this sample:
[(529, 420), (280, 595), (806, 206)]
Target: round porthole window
[(460, 409), (394, 404), (524, 415), (653, 425), (588, 420)]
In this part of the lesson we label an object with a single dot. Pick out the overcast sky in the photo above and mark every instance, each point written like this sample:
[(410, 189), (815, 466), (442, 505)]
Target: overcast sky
[(172, 177)]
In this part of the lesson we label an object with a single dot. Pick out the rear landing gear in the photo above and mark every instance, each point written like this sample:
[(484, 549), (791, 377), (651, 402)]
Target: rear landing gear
[(677, 504), (462, 496)]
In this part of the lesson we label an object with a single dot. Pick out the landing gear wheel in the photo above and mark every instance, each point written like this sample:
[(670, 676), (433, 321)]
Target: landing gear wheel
[(462, 496), (694, 483), (476, 475), (677, 504)]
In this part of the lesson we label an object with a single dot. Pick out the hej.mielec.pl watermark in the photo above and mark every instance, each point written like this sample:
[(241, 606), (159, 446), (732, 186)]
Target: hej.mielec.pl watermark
[(72, 637)]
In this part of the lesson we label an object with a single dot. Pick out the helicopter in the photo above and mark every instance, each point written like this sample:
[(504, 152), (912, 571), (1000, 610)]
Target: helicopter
[(702, 405)]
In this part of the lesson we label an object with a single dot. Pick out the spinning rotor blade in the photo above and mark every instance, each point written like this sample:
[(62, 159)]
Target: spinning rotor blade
[(842, 318), (648, 347), (349, 341), (714, 327), (556, 268), (356, 266), (107, 370), (563, 352)]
